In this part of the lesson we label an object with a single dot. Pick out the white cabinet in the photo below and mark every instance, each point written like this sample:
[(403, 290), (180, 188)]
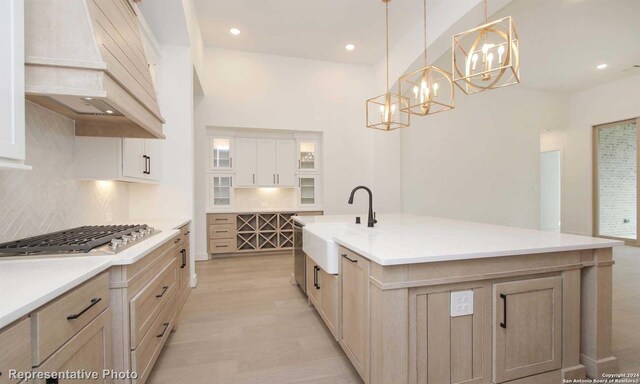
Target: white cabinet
[(246, 162), (12, 101), (309, 191), (220, 153), (140, 159), (308, 155), (266, 169), (220, 191), (276, 166), (110, 158), (285, 163)]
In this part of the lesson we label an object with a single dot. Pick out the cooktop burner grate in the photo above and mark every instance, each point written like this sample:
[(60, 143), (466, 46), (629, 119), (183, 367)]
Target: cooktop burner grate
[(80, 239)]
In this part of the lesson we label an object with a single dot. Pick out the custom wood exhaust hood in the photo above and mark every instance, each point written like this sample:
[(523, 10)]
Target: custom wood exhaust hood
[(85, 59)]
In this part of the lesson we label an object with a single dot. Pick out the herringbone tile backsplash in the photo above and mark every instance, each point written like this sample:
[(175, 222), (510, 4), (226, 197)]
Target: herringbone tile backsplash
[(48, 198)]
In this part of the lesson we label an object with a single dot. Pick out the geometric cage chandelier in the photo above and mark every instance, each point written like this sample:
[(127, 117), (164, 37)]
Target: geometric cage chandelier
[(428, 90), (486, 57), (387, 112)]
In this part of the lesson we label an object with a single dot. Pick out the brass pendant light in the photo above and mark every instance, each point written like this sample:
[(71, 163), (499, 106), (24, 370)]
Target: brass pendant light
[(486, 57), (388, 111), (428, 90)]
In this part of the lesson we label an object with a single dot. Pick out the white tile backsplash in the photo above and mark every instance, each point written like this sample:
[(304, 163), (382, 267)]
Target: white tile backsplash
[(252, 199), (48, 198)]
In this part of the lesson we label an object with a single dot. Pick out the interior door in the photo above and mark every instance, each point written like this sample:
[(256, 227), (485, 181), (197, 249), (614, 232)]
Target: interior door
[(527, 327), (245, 162), (266, 162), (133, 160), (286, 163)]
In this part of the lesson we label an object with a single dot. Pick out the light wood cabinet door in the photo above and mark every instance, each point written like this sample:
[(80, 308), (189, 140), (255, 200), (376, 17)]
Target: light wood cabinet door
[(329, 299), (286, 163), (313, 290), (245, 162), (15, 350), (354, 336), (89, 350), (266, 167), (527, 327)]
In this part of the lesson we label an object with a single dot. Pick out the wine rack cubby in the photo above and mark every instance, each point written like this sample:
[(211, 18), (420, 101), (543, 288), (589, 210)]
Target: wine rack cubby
[(253, 232)]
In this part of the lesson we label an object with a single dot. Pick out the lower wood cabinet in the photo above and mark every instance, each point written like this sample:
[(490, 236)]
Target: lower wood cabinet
[(322, 291), (15, 349), (251, 232), (88, 350), (527, 328), (355, 315)]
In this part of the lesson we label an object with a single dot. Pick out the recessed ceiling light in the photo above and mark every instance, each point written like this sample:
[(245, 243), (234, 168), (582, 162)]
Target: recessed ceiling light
[(234, 31), (602, 66), (88, 98), (349, 47), (109, 111)]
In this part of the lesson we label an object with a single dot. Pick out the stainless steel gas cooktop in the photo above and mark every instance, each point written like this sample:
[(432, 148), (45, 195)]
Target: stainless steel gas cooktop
[(86, 240)]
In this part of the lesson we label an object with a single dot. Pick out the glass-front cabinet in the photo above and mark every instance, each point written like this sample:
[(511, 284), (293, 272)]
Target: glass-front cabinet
[(307, 156), (308, 191), (220, 191), (220, 153)]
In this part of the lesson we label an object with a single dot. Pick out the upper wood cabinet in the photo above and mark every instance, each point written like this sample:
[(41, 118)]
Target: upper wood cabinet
[(85, 59), (12, 115), (106, 158), (527, 328)]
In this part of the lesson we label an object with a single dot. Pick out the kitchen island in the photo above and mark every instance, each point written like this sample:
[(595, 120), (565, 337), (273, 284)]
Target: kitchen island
[(429, 300)]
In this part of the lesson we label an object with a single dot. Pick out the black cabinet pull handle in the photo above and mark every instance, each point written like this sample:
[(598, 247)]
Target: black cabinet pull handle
[(176, 241), (166, 325), (94, 301), (317, 280), (149, 160), (52, 380), (347, 257), (315, 276), (503, 324), (184, 258), (164, 290), (187, 233)]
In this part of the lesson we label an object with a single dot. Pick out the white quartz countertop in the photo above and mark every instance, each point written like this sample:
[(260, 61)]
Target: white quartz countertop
[(408, 239), (27, 283)]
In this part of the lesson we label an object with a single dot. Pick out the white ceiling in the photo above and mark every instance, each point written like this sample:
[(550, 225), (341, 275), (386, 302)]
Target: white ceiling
[(314, 29), (562, 41)]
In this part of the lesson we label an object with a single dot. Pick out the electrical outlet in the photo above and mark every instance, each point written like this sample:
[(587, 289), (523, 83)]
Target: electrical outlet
[(461, 303)]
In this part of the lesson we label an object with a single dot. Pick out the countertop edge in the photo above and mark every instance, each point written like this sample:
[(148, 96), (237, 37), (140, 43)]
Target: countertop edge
[(53, 294), (480, 255), (92, 272)]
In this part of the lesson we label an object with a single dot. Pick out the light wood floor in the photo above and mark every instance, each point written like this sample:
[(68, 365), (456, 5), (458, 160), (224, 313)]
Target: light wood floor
[(246, 324)]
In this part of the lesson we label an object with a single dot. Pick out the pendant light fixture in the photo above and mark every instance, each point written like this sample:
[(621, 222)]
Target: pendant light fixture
[(486, 57), (387, 112), (428, 90)]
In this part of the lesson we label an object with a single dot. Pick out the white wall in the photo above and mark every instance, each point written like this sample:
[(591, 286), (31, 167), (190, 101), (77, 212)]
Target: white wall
[(604, 104), (275, 92), (173, 197), (480, 161)]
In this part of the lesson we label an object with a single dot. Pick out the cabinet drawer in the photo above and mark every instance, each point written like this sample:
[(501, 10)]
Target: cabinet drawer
[(89, 350), (229, 218), (57, 322), (221, 231), (144, 357), (146, 305), (15, 350), (222, 246)]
